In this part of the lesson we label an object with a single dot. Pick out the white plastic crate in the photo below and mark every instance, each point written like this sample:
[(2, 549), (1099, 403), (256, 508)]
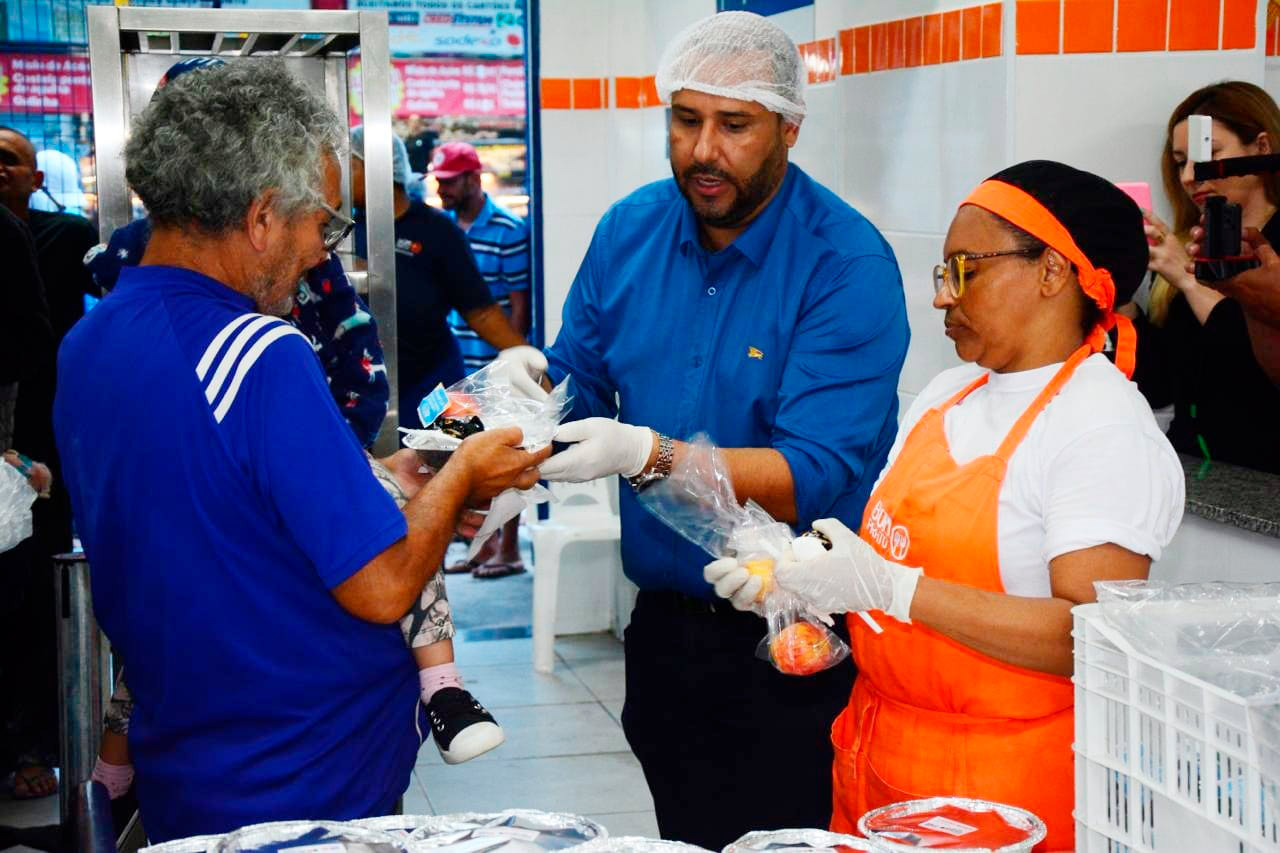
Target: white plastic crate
[(1164, 761)]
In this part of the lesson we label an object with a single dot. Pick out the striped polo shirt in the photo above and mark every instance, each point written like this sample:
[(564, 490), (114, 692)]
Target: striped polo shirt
[(500, 244)]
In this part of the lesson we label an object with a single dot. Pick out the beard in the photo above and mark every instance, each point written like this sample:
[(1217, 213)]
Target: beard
[(748, 195), (274, 289)]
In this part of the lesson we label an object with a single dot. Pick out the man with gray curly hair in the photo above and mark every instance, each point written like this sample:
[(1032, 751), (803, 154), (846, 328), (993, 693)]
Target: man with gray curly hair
[(252, 581)]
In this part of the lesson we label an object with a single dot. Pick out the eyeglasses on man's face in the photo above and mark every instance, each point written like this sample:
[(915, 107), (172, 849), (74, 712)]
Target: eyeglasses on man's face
[(337, 228), (951, 275)]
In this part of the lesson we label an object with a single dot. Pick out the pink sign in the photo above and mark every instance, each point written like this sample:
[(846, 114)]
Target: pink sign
[(45, 83), (453, 87)]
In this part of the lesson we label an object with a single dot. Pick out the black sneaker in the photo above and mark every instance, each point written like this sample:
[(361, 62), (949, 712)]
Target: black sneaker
[(462, 728)]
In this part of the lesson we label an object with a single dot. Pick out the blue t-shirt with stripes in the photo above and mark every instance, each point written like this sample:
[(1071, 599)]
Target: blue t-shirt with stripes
[(500, 244), (220, 497)]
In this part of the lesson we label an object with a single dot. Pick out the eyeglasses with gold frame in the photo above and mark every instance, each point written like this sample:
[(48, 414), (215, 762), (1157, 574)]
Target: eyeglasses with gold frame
[(951, 275)]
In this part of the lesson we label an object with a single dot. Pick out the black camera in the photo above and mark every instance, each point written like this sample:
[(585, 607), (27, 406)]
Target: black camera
[(1220, 252)]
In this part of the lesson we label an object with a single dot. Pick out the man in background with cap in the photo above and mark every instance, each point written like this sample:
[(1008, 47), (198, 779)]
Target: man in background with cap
[(435, 274), (499, 243), (744, 300)]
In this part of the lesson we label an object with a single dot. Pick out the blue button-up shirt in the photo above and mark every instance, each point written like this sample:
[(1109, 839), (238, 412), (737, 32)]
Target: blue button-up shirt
[(792, 338)]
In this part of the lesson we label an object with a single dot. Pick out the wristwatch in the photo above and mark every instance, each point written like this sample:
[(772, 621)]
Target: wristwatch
[(661, 467)]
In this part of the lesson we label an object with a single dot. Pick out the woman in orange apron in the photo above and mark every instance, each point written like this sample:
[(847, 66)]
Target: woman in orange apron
[(967, 691)]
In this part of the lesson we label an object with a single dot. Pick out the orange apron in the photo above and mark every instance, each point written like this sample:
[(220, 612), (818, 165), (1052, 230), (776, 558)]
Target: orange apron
[(929, 717)]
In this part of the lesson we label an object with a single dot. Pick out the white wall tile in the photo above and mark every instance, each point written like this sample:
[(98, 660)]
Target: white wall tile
[(819, 150), (576, 161), (1107, 113), (917, 141), (629, 40), (799, 24), (834, 15), (930, 351), (574, 37), (629, 142), (1271, 78), (565, 238), (667, 18)]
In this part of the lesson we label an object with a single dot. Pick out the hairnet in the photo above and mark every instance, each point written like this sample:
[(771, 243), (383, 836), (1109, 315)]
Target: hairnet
[(399, 155), (737, 55)]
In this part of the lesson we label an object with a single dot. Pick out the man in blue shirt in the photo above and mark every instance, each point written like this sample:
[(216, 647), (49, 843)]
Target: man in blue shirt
[(742, 299), (326, 309), (499, 243), (247, 565)]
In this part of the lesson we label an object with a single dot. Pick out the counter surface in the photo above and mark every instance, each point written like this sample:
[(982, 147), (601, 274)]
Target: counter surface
[(1233, 495)]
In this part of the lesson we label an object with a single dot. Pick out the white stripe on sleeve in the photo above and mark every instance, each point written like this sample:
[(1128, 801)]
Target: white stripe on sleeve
[(206, 361), (233, 353), (247, 362)]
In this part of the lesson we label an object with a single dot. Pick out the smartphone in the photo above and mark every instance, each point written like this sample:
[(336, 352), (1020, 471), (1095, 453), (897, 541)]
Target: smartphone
[(1140, 192)]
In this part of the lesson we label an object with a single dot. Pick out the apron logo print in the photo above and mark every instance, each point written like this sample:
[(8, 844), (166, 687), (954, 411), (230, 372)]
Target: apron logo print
[(894, 538), (752, 352)]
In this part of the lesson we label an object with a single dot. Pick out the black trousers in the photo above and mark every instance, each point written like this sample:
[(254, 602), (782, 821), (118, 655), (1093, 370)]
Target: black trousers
[(728, 744)]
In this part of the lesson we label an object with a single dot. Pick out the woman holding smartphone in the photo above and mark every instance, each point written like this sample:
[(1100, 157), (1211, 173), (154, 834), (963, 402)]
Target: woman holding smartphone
[(1194, 348)]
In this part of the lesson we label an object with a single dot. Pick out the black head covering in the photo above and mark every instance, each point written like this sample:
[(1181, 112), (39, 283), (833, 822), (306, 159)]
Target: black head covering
[(1106, 224)]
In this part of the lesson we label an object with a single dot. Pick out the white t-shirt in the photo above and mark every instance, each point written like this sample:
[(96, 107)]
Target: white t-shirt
[(1094, 467)]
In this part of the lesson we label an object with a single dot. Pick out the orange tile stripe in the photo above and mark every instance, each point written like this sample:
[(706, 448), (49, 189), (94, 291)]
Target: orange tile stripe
[(970, 33), (821, 58), (975, 32), (1104, 26), (632, 93)]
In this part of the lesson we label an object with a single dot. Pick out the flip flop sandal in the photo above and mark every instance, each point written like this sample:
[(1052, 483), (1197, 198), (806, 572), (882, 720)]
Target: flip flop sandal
[(463, 567), (498, 570), (22, 784)]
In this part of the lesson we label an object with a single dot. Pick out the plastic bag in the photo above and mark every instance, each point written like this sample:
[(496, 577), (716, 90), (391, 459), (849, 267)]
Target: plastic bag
[(698, 502), (16, 498), (484, 401), (1227, 634)]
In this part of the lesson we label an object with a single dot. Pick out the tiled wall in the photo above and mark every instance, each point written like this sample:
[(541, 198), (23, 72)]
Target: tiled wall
[(911, 104), (1105, 26)]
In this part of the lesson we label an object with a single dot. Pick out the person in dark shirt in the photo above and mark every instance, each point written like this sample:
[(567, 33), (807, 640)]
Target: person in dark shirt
[(435, 273), (1195, 347), (27, 568)]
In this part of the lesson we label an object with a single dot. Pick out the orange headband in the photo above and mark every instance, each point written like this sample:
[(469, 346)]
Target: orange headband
[(1020, 208)]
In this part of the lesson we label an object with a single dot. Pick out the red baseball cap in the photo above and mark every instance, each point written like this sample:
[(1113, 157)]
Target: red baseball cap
[(453, 159)]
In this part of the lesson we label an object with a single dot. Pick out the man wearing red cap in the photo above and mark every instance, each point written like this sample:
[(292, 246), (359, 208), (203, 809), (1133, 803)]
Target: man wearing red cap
[(500, 245)]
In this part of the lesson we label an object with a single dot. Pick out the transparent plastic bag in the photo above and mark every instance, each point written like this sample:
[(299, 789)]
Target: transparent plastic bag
[(1227, 634), (485, 401), (16, 498), (698, 502)]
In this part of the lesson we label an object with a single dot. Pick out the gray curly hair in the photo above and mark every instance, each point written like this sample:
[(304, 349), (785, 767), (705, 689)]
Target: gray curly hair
[(211, 142)]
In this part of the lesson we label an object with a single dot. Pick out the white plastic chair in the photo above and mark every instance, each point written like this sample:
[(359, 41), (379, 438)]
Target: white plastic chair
[(580, 513)]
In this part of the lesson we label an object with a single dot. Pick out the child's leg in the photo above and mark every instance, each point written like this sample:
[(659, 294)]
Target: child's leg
[(460, 726), (113, 767)]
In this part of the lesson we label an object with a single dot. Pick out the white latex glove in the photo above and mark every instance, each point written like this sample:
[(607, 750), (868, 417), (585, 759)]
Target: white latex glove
[(601, 447), (733, 582), (526, 366), (850, 577)]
